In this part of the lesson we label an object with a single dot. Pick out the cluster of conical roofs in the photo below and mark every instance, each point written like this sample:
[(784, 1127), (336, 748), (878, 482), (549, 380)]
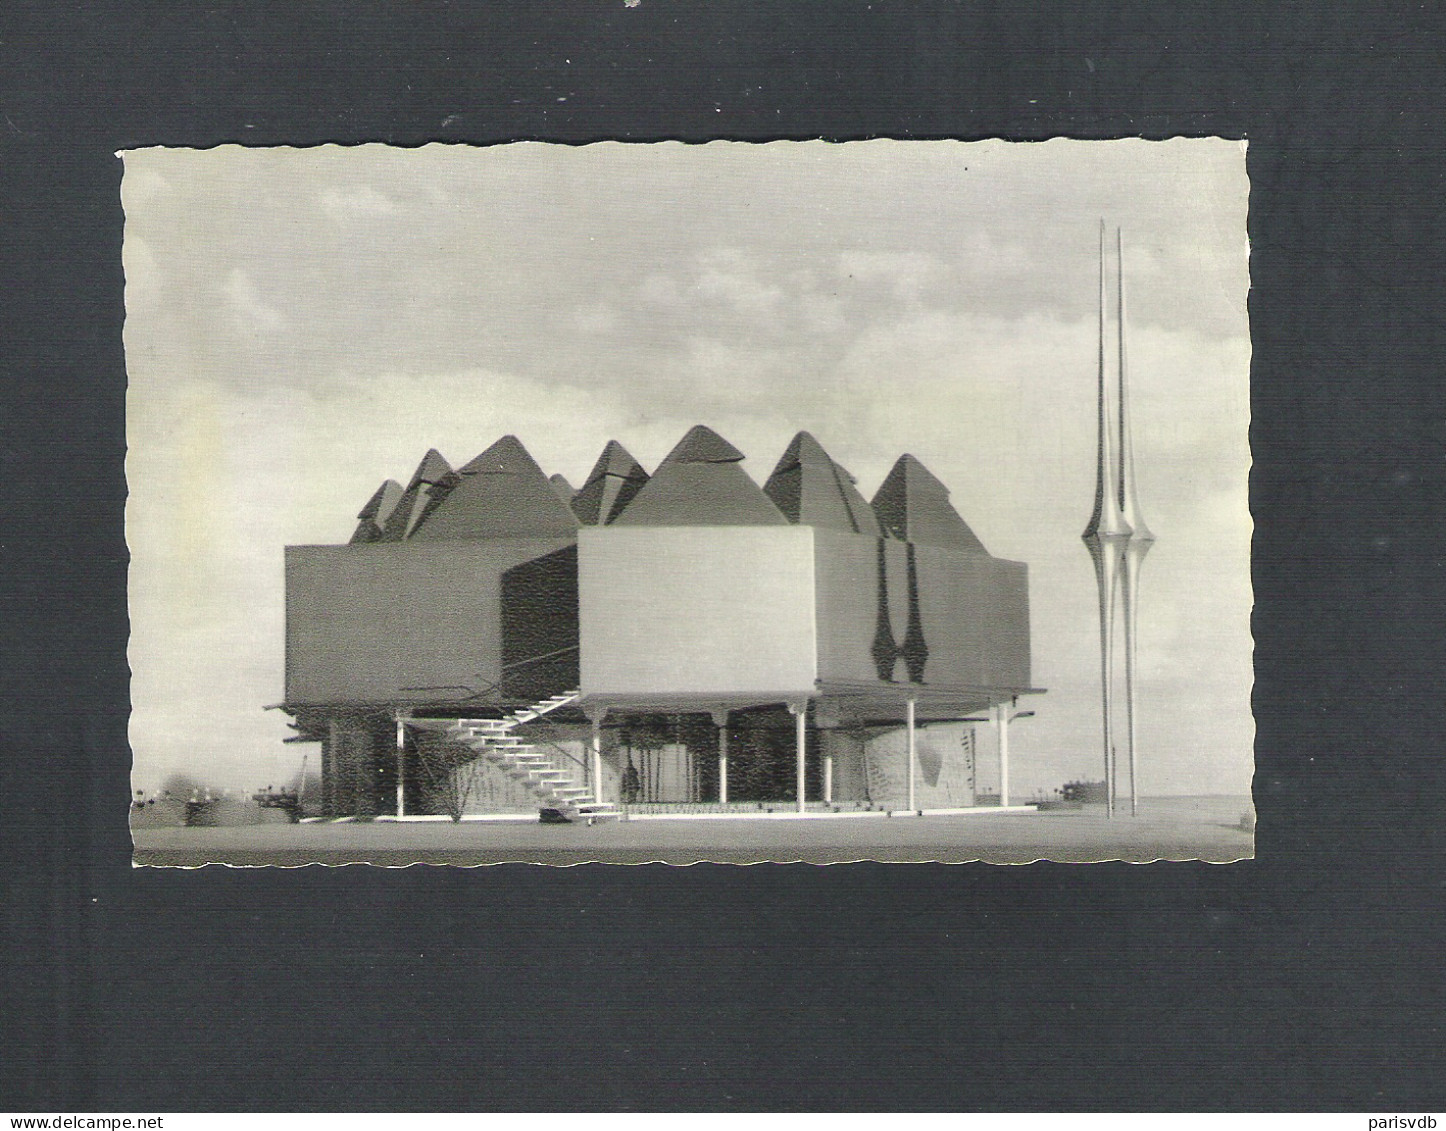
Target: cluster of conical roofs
[(503, 493)]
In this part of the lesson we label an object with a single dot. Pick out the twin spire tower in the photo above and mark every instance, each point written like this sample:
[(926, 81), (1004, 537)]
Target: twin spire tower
[(1116, 537)]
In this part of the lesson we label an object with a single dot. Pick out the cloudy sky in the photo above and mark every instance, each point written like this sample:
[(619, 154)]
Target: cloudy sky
[(302, 324)]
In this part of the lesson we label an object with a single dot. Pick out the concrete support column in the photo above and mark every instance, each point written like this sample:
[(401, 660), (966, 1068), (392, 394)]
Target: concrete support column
[(363, 753), (328, 770), (596, 716), (826, 719), (800, 718), (1002, 712), (720, 720), (913, 752), (401, 765)]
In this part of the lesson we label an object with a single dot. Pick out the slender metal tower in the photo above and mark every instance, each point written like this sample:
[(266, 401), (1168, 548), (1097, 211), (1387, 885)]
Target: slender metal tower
[(1106, 538), (1140, 537)]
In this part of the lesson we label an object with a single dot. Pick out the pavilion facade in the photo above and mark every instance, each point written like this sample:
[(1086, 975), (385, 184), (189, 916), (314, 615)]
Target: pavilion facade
[(681, 638)]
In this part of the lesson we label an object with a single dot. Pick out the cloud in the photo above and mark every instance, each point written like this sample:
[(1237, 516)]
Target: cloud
[(142, 185), (596, 318), (732, 277), (907, 274), (359, 202), (145, 279), (251, 315)]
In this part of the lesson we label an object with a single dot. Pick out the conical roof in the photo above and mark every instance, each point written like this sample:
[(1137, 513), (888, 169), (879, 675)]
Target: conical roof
[(811, 489), (432, 469), (565, 490), (500, 494), (382, 502), (615, 479), (701, 484), (616, 460), (372, 518), (506, 457), (430, 483), (703, 445), (913, 505)]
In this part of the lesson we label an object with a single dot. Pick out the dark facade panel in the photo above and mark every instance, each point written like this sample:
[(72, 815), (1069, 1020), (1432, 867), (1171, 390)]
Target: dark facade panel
[(1008, 650), (398, 623), (540, 627), (975, 612), (859, 624), (958, 619)]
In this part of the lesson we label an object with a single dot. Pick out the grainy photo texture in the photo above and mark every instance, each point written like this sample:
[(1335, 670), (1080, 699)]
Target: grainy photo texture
[(733, 502)]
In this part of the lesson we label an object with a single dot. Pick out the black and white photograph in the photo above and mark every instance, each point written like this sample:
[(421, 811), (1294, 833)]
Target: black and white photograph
[(646, 556), (625, 502)]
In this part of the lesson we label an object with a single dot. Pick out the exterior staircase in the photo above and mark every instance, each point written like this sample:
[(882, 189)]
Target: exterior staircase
[(554, 786)]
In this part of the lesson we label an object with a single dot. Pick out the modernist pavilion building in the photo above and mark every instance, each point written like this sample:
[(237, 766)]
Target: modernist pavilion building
[(492, 640)]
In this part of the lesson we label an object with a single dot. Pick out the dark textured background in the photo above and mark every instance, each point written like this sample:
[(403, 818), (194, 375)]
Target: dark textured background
[(1307, 979)]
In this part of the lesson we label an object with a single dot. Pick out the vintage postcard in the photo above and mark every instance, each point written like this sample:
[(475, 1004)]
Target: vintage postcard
[(799, 501)]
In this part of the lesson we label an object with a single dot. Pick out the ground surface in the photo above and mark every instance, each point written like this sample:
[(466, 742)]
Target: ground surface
[(1169, 828)]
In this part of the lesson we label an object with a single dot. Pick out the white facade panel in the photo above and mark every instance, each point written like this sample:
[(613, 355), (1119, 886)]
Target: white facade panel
[(696, 610)]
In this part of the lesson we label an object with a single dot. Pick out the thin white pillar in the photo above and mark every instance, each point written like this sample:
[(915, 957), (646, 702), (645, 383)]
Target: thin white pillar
[(1132, 568), (828, 777), (1140, 540), (1105, 537), (720, 720), (329, 762), (401, 765), (800, 716), (596, 718), (913, 753), (1002, 712)]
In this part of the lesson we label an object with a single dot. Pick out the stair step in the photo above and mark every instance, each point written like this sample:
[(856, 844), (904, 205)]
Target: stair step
[(511, 753)]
